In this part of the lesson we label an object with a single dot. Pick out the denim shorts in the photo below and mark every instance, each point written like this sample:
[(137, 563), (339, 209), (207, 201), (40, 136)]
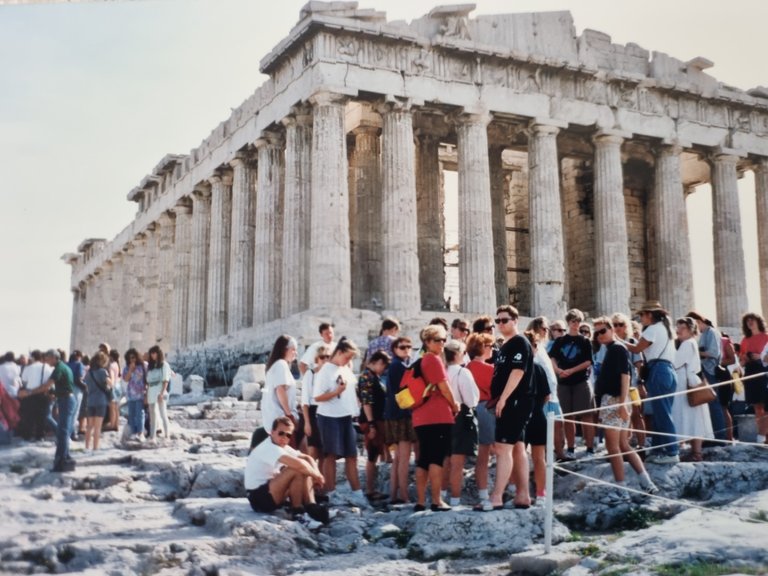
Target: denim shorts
[(338, 436), (486, 424)]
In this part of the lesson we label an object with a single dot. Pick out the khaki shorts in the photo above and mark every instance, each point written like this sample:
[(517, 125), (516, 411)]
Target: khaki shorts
[(398, 431), (575, 398)]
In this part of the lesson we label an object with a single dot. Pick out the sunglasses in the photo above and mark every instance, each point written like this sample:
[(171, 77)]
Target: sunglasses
[(584, 332), (557, 329), (439, 340), (502, 320), (324, 357), (619, 324), (406, 347), (288, 435), (601, 331)]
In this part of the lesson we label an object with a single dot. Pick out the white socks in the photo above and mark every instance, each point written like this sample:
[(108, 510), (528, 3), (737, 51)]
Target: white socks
[(483, 494), (455, 501)]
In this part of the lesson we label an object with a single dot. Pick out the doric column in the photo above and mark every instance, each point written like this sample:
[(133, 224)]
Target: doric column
[(546, 223), (329, 263), (430, 215), (151, 287), (476, 265), (106, 289), (367, 193), (86, 320), (761, 197), (612, 287), (73, 341), (399, 240), (298, 183), (117, 324), (218, 257), (673, 250), (268, 264), (137, 277), (499, 219), (183, 250), (167, 264), (240, 297), (198, 265), (730, 270)]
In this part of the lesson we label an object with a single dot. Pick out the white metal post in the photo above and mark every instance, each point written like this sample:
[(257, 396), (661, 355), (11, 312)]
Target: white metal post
[(548, 502)]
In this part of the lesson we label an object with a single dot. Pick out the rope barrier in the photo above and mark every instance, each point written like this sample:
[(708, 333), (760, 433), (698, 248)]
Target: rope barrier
[(662, 498), (629, 403)]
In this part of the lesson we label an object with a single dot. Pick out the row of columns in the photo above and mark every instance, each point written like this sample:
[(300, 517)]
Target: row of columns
[(269, 237)]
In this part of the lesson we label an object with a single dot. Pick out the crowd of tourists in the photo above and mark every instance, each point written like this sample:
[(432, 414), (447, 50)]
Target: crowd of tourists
[(44, 394), (486, 389)]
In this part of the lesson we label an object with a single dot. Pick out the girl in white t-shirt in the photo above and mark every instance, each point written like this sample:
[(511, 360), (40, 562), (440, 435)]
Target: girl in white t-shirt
[(280, 387), (309, 406)]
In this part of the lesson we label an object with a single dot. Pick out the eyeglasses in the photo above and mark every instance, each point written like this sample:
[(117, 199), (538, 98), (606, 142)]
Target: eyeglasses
[(553, 329), (288, 435), (601, 331), (502, 320), (438, 340), (406, 347), (324, 357)]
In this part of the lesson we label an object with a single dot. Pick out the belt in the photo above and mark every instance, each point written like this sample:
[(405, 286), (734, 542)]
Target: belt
[(655, 360)]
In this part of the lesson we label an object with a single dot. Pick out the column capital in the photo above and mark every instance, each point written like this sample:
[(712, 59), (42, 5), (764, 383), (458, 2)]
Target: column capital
[(611, 137), (327, 98), (391, 104), (723, 156), (466, 118), (546, 125), (242, 157), (201, 191), (760, 164), (364, 129), (669, 148), (300, 115), (183, 206), (270, 139)]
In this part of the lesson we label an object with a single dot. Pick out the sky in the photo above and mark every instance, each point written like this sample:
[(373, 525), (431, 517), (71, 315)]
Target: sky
[(94, 94)]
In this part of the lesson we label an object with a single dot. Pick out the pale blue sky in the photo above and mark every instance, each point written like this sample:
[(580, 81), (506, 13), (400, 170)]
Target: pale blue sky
[(93, 95)]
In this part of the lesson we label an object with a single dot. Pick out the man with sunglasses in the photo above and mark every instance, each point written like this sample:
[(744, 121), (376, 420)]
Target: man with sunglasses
[(275, 471), (512, 389)]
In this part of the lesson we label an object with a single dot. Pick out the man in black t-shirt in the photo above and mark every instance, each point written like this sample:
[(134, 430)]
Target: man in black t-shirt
[(511, 388), (572, 359)]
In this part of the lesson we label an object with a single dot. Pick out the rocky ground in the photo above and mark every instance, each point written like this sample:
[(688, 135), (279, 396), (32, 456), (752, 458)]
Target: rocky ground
[(180, 509)]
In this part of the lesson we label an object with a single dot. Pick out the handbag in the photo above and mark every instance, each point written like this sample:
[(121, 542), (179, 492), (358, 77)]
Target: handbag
[(699, 392)]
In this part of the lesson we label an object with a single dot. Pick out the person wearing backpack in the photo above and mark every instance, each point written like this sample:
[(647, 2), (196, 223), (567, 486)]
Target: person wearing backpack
[(433, 419), (99, 395)]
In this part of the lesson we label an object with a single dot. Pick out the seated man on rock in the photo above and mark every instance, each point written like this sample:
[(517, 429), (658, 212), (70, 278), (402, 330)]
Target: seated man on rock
[(275, 471)]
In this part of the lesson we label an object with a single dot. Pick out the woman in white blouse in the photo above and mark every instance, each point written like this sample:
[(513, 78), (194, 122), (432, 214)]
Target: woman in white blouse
[(464, 433), (690, 421)]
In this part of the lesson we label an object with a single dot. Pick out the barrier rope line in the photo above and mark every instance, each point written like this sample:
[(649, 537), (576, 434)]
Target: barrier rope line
[(681, 438), (662, 498), (629, 403)]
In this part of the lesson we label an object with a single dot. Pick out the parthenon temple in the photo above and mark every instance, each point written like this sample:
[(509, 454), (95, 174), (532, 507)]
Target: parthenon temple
[(323, 195)]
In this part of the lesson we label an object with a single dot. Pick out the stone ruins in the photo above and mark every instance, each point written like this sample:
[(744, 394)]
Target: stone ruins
[(322, 195)]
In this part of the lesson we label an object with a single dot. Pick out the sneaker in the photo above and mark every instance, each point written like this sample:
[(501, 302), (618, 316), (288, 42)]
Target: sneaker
[(616, 497), (590, 451), (650, 488), (664, 459), (307, 521), (318, 512), (357, 499), (570, 454)]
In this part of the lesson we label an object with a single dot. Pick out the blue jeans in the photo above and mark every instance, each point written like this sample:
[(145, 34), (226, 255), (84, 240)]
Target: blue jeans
[(78, 395), (136, 415), (716, 411), (66, 405), (50, 420), (662, 380)]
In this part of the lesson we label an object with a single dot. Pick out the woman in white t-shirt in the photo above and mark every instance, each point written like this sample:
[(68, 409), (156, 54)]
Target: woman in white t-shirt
[(280, 387), (659, 350), (309, 406)]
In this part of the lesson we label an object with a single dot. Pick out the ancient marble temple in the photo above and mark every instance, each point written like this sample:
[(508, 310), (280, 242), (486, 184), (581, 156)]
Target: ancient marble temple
[(323, 195)]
